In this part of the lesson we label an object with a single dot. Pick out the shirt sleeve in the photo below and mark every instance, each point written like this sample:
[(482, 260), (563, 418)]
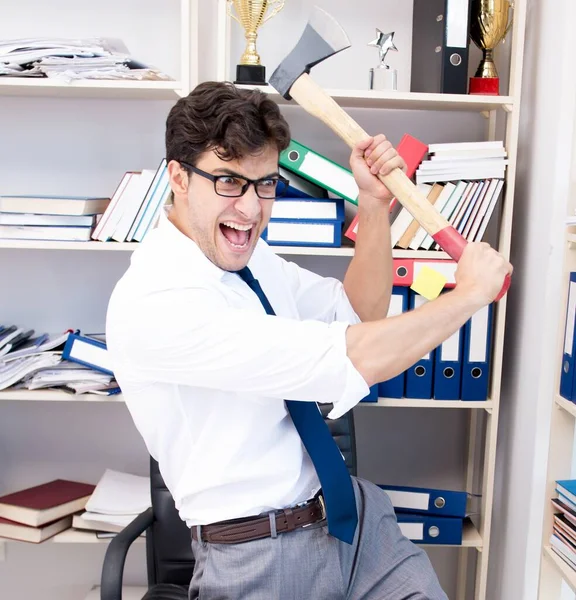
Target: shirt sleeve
[(319, 298), (193, 337)]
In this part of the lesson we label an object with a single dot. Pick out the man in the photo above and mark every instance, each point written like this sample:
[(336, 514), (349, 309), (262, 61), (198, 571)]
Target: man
[(221, 366)]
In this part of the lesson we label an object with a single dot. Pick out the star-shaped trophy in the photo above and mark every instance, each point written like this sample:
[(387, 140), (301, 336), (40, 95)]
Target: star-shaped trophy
[(383, 77)]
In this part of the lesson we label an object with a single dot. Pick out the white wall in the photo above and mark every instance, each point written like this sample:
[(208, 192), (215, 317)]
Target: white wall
[(547, 124)]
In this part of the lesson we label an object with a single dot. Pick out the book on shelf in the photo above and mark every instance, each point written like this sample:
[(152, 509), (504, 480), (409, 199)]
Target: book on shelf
[(52, 233), (135, 205), (48, 220), (45, 503), (53, 205), (26, 533)]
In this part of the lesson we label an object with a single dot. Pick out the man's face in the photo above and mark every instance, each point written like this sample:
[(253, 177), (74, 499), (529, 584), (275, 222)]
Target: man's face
[(227, 229)]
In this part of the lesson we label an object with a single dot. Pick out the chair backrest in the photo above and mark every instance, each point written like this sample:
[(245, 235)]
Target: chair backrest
[(168, 550)]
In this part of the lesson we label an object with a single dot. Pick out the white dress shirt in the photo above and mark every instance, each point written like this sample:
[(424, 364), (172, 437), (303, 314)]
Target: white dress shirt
[(205, 371)]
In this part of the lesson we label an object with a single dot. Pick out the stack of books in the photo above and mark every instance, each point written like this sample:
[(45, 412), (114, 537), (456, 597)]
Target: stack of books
[(135, 205), (50, 218), (38, 513), (563, 538), (463, 181), (117, 500)]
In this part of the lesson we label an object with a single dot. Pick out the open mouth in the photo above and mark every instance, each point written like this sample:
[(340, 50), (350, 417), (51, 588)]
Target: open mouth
[(238, 236)]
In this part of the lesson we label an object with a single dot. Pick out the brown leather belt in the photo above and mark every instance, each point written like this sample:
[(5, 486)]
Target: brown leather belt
[(253, 528)]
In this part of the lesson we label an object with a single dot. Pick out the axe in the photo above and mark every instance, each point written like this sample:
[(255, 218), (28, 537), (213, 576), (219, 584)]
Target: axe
[(323, 37)]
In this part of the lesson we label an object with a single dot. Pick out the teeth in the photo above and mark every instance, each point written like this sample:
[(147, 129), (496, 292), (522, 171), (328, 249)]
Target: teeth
[(236, 226)]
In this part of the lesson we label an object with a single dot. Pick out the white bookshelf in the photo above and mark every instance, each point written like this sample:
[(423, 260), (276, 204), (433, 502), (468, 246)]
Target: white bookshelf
[(553, 569), (493, 108)]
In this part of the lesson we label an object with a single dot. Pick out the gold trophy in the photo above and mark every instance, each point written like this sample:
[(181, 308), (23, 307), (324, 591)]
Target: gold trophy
[(252, 15), (489, 23)]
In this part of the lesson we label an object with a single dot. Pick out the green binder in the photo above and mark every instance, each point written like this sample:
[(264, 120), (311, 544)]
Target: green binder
[(320, 170)]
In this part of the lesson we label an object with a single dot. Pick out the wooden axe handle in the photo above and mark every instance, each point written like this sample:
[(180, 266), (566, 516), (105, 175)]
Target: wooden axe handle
[(317, 102)]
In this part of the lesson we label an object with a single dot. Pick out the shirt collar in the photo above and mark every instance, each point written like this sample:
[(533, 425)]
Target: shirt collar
[(186, 248)]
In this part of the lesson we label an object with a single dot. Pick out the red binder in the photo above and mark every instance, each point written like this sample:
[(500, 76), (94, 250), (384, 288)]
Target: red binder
[(406, 269)]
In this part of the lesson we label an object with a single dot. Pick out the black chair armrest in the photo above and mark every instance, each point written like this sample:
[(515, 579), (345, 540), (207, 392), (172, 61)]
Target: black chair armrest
[(115, 558)]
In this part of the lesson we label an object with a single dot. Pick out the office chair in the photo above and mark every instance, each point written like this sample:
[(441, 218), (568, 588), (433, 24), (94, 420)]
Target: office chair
[(169, 558)]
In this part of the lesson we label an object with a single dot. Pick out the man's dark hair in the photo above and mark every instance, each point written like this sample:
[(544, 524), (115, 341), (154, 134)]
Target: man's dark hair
[(217, 115)]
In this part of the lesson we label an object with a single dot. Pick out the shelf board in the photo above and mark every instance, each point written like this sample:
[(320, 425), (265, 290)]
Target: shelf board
[(60, 396), (131, 246), (567, 572), (428, 403), (90, 88), (405, 100), (55, 396), (568, 406)]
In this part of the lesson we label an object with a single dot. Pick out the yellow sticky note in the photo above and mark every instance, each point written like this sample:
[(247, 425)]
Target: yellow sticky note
[(428, 283)]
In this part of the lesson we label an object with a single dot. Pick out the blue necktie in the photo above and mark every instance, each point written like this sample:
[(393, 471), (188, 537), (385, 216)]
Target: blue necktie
[(330, 467)]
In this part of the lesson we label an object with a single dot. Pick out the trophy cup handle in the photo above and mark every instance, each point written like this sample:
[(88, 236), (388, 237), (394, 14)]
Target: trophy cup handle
[(279, 6), (510, 9), (229, 11)]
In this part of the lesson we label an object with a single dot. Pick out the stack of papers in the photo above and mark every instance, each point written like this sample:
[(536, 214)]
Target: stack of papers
[(117, 500), (68, 59)]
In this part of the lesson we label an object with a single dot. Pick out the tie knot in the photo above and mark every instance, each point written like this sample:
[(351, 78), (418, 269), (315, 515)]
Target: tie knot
[(246, 275)]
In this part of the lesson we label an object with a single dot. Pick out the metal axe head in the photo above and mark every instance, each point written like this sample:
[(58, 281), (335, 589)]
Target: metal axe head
[(322, 37)]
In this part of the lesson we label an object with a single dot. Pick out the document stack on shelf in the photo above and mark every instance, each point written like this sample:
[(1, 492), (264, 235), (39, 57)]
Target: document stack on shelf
[(458, 369), (69, 59), (429, 516), (38, 513), (50, 218), (563, 539), (117, 500), (463, 181), (54, 361), (135, 205)]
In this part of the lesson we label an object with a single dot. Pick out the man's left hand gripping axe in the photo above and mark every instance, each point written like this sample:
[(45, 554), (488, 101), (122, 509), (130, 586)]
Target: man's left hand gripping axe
[(322, 38)]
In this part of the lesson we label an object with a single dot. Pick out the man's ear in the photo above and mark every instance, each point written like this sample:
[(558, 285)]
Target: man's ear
[(178, 179)]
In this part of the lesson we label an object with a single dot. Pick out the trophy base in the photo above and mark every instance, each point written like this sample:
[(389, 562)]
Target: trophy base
[(383, 79), (489, 86), (250, 75)]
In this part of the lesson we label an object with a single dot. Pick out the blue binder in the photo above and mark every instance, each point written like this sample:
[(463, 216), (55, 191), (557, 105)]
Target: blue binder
[(422, 529), (420, 376), (427, 501), (448, 368), (476, 361), (394, 388), (303, 233), (372, 395), (88, 352), (567, 375)]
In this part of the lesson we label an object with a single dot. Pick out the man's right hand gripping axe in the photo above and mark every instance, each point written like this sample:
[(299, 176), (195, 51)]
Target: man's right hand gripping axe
[(322, 38)]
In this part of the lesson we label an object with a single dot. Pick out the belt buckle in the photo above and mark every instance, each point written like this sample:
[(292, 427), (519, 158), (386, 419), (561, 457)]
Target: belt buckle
[(322, 506)]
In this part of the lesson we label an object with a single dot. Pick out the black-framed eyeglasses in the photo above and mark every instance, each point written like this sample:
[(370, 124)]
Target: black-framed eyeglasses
[(234, 186)]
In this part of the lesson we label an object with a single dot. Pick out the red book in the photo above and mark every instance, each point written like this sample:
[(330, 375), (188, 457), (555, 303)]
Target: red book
[(45, 503), (412, 151)]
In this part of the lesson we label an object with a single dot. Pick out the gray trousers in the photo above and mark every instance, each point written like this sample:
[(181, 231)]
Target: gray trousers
[(309, 564)]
